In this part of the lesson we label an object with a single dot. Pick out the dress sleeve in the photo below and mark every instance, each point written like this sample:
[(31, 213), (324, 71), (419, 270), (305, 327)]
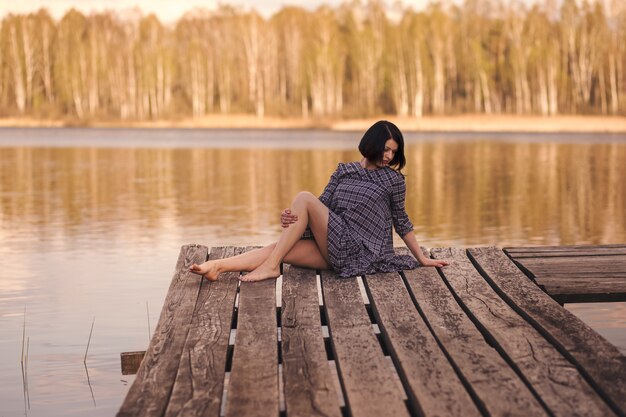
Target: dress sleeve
[(325, 198), (327, 194), (401, 221)]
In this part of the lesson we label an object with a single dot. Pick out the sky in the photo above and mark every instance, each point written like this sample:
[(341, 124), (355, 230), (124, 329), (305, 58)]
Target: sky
[(166, 10)]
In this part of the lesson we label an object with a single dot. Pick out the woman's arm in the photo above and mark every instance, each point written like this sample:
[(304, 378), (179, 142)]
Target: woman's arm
[(414, 247), (404, 227)]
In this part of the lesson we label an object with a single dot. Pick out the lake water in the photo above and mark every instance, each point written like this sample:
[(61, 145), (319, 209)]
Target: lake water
[(92, 220)]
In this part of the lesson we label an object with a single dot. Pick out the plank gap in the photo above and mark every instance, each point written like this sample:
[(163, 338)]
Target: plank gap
[(282, 409), (413, 411), (359, 281), (232, 337), (329, 349), (278, 316), (370, 313), (229, 358), (325, 332), (335, 377), (323, 318), (396, 377), (383, 345), (233, 323), (318, 283), (279, 290), (224, 393)]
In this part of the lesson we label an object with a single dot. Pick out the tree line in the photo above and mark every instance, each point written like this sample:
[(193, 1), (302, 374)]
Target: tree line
[(357, 59)]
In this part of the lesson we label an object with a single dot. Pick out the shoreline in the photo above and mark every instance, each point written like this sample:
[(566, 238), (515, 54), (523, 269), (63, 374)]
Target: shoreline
[(461, 123)]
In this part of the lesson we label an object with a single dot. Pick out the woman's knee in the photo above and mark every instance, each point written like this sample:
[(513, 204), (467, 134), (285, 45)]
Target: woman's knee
[(304, 197)]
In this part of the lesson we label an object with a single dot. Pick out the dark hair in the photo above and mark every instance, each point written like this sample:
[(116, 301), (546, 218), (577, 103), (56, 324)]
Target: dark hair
[(372, 144)]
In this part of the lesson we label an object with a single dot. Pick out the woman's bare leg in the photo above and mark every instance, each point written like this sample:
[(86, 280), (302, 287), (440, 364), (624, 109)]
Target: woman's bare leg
[(247, 261), (305, 253), (310, 211)]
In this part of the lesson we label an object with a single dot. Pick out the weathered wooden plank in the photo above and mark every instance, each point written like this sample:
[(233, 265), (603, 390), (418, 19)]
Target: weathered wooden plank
[(600, 252), (309, 386), (616, 263), (587, 298), (525, 249), (498, 389), (131, 361), (594, 283), (150, 392), (200, 380), (584, 294), (368, 383), (253, 385), (598, 359), (557, 381), (592, 287), (583, 276), (431, 383)]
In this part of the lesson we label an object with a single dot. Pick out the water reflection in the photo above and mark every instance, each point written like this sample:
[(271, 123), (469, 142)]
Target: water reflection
[(461, 193)]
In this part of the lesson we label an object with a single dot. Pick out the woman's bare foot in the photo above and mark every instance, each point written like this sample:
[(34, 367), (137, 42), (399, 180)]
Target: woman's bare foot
[(209, 270), (262, 272)]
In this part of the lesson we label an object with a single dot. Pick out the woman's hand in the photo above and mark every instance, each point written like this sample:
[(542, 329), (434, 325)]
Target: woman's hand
[(286, 218), (434, 262)]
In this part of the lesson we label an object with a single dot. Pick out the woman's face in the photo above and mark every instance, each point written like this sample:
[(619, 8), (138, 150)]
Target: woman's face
[(391, 147)]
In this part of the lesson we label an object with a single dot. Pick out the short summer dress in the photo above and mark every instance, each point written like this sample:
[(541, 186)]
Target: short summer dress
[(362, 205)]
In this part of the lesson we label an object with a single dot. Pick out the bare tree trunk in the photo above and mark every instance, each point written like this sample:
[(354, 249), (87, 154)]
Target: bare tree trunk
[(552, 87), (338, 90), (477, 98), (47, 63), (401, 91), (160, 82), (613, 85), (77, 98), (210, 83), (81, 81), (519, 95), (133, 91), (526, 93), (543, 92), (418, 96), (29, 62), (304, 104), (439, 86), (224, 88), (486, 93), (197, 89), (93, 77), (603, 95), (18, 77), (251, 48)]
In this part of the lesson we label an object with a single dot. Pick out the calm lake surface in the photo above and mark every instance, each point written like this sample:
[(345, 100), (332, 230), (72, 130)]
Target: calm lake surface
[(92, 220)]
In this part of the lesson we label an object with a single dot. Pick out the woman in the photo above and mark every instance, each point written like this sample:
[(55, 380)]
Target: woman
[(350, 222)]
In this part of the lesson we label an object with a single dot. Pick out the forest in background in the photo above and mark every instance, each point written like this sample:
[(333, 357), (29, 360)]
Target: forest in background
[(354, 60)]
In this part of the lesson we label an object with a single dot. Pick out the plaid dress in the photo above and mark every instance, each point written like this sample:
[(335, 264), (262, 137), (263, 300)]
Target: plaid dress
[(363, 204)]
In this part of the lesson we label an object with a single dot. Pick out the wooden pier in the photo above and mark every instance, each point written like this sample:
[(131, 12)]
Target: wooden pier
[(476, 338), (575, 274)]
